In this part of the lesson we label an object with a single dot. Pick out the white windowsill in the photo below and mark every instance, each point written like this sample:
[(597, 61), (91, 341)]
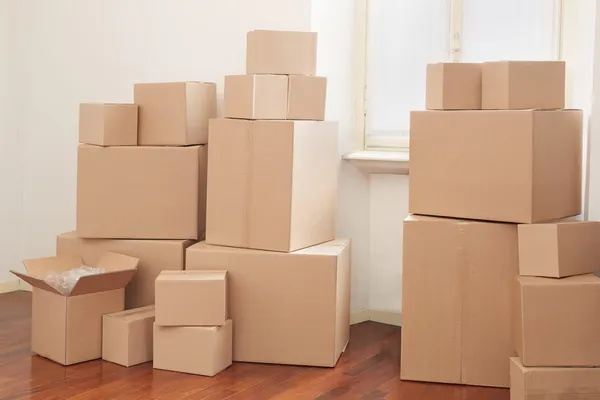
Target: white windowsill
[(379, 162)]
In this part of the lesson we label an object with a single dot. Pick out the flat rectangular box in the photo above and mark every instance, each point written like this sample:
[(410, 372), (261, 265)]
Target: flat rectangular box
[(509, 166), (457, 277), (191, 298), (453, 86), (281, 52), (199, 350), (560, 249), (108, 124), (288, 308), (175, 113), (141, 192), (515, 85), (272, 184), (295, 97), (127, 336), (557, 321), (60, 319)]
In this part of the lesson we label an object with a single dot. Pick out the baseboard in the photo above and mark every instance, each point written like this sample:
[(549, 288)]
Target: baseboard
[(384, 317), (14, 285)]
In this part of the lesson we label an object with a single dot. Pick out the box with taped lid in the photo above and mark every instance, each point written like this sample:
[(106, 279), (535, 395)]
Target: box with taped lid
[(281, 52), (127, 336)]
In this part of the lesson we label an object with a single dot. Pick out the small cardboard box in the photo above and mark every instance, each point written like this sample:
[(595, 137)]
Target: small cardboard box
[(557, 321), (200, 350), (281, 52), (68, 328), (517, 85), (175, 113), (561, 249), (105, 124), (127, 336), (453, 86), (191, 298)]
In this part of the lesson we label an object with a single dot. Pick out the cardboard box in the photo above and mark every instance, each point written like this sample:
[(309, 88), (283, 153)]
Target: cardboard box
[(453, 86), (141, 192), (154, 255), (200, 350), (68, 328), (560, 249), (288, 308), (272, 184), (175, 113), (457, 277), (127, 336), (281, 52), (108, 124), (557, 321), (459, 164), (515, 85), (275, 97), (553, 383), (191, 298)]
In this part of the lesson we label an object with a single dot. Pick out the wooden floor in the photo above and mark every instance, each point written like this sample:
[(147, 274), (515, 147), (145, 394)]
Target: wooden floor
[(367, 370)]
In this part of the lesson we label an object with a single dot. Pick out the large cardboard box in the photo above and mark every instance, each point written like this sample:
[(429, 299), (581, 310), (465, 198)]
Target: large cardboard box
[(272, 184), (453, 86), (141, 192), (559, 249), (175, 113), (154, 255), (557, 321), (200, 350), (456, 300), (67, 328), (288, 308), (281, 52), (191, 298), (127, 336), (108, 124), (512, 166)]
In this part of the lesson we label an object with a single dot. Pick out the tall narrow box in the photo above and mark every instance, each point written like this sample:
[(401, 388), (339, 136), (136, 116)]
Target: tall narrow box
[(127, 336), (281, 52), (453, 86), (108, 124)]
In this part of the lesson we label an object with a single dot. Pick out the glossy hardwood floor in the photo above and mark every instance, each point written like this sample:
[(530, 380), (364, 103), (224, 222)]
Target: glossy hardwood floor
[(367, 370)]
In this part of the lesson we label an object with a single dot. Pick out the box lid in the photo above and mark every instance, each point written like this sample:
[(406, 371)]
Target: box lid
[(192, 275)]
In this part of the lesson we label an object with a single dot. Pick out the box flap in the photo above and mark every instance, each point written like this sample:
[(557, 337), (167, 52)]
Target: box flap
[(40, 267), (117, 262), (103, 282), (35, 282)]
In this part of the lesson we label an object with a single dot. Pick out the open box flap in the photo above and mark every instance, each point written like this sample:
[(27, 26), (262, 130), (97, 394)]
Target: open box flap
[(111, 280), (117, 262), (41, 267), (36, 282)]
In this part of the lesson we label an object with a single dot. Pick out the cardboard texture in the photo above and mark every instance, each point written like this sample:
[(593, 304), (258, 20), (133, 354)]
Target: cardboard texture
[(191, 298), (67, 329), (559, 249), (105, 124), (453, 86), (281, 52), (275, 97), (288, 308), (200, 350), (127, 336), (557, 321), (141, 192), (456, 300), (272, 184), (553, 383), (459, 168), (514, 85), (175, 113)]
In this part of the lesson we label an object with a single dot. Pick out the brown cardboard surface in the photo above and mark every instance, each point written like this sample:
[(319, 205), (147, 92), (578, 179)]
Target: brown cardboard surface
[(307, 96), (127, 336), (281, 52), (514, 85), (456, 300), (512, 166), (559, 321), (191, 298), (559, 249), (453, 86), (108, 124), (288, 308), (272, 184), (141, 192), (154, 256), (200, 350), (175, 113)]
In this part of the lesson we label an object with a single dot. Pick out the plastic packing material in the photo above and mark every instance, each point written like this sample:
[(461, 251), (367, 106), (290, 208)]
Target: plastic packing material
[(65, 281)]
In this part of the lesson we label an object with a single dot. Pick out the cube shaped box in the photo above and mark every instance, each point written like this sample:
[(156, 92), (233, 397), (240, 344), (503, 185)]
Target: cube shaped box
[(272, 184), (105, 124), (191, 298), (281, 52), (127, 336), (453, 86), (68, 328), (175, 113)]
